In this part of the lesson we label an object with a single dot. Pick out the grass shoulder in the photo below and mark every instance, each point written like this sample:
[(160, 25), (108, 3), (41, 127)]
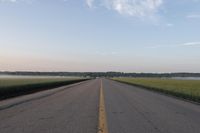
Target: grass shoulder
[(21, 86), (187, 89)]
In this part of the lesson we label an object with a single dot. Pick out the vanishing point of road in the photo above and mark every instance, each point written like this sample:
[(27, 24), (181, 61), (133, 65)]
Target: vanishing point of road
[(98, 106)]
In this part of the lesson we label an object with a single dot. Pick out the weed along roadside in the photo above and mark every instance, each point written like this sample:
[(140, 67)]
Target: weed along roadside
[(185, 89), (31, 86)]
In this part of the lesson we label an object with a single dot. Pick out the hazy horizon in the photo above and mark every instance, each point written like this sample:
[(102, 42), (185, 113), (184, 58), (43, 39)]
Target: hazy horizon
[(100, 35)]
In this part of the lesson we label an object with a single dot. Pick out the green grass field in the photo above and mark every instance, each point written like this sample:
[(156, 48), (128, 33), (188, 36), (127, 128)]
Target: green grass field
[(11, 87), (187, 89)]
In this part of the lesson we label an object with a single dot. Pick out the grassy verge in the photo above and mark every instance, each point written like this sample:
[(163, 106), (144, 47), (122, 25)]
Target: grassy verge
[(187, 89), (15, 87)]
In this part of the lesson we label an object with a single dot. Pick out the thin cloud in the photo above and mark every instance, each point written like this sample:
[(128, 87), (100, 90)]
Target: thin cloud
[(137, 8), (191, 44), (112, 53), (8, 1), (90, 3), (188, 44), (169, 25), (14, 1), (193, 16)]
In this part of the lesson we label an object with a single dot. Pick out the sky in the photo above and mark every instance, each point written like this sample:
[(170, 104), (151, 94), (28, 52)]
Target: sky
[(100, 35)]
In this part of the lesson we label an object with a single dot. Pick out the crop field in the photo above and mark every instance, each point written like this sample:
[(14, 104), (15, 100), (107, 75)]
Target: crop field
[(10, 87), (187, 89)]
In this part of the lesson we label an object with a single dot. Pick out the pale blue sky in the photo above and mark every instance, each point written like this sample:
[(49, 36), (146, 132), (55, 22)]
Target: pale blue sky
[(100, 35)]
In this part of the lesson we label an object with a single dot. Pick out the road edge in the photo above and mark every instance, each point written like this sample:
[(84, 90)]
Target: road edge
[(159, 92), (8, 103)]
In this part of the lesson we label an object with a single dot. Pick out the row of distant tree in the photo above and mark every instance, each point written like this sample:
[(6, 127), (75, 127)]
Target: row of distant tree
[(101, 74)]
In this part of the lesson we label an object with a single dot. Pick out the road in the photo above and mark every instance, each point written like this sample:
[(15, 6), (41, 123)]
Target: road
[(128, 109)]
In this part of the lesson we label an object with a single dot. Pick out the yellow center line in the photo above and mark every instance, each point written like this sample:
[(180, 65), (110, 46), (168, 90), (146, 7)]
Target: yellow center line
[(102, 127)]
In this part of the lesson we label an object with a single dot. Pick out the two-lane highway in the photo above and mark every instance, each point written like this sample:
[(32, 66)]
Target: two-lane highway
[(101, 103)]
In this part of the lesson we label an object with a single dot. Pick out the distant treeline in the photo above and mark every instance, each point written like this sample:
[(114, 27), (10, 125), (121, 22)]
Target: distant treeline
[(101, 74)]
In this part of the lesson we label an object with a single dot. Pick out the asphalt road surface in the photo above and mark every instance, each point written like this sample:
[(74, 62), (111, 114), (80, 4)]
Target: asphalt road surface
[(75, 109)]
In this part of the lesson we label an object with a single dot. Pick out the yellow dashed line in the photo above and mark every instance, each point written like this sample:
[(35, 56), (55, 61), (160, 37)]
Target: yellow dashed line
[(102, 127)]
